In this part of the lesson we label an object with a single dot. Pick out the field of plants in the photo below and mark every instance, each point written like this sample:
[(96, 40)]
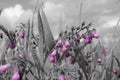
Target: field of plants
[(77, 53)]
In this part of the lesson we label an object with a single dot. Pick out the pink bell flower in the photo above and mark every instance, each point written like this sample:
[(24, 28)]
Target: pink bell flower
[(53, 59), (104, 52), (12, 45), (17, 75), (59, 42), (71, 61), (67, 44), (99, 61), (79, 36), (114, 70), (95, 35), (62, 77), (5, 68), (64, 48), (54, 53), (68, 54), (22, 34), (87, 40), (21, 56)]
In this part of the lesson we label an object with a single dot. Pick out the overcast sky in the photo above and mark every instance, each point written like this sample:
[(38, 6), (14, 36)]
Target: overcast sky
[(104, 13)]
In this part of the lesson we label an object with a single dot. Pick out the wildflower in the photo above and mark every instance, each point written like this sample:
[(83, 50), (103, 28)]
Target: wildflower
[(12, 45), (54, 53), (62, 77), (17, 75), (64, 48), (67, 44), (114, 70), (78, 36), (22, 34), (21, 56), (53, 58), (5, 68), (68, 54), (71, 61), (95, 35), (99, 61), (59, 43), (104, 52), (88, 40)]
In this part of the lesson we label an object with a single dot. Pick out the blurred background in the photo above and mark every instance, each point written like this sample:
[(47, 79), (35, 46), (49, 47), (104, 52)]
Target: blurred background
[(61, 13)]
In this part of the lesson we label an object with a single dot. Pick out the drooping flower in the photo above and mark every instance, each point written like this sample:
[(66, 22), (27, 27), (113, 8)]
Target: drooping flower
[(68, 54), (64, 48), (21, 56), (67, 44), (71, 61), (88, 40), (104, 52), (17, 75), (114, 70), (95, 35), (62, 77), (53, 59), (54, 53), (5, 68), (22, 34), (99, 61), (12, 45), (79, 36), (59, 42)]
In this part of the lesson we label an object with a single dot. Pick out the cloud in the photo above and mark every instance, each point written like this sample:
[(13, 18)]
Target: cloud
[(54, 12), (11, 15)]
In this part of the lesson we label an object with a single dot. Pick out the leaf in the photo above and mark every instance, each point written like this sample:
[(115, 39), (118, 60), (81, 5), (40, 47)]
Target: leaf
[(48, 34)]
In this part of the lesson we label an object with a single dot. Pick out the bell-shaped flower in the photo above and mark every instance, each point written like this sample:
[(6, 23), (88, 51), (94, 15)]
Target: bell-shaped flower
[(88, 40), (99, 61), (63, 77), (64, 48), (59, 43), (12, 45), (95, 35), (17, 75), (54, 53), (22, 34), (67, 44), (5, 68)]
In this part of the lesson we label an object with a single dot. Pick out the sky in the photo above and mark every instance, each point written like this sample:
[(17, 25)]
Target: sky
[(103, 13)]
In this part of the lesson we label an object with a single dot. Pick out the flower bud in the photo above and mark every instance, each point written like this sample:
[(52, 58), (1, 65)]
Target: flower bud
[(99, 61), (22, 34), (5, 68), (78, 36), (68, 54), (114, 70), (59, 43), (21, 56), (71, 61), (52, 59), (12, 45), (104, 52), (62, 77)]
